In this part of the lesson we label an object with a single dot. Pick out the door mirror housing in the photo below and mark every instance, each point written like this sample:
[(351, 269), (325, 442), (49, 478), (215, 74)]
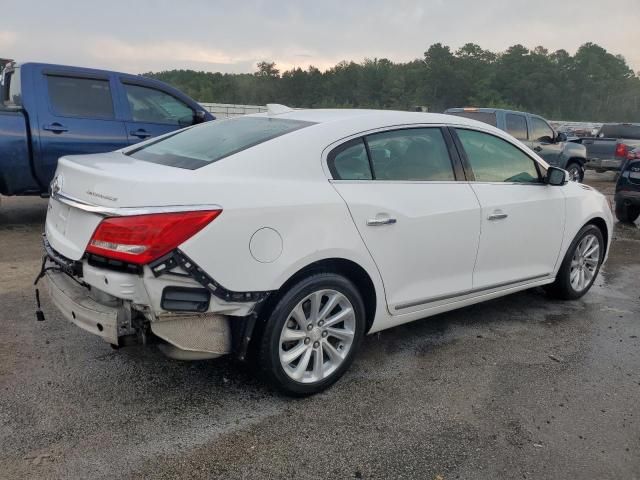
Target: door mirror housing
[(561, 137), (556, 176)]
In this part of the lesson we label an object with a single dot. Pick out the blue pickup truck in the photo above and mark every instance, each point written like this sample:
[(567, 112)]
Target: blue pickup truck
[(47, 111), (535, 132)]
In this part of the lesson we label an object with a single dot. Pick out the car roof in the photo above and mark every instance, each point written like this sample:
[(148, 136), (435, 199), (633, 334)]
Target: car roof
[(364, 119)]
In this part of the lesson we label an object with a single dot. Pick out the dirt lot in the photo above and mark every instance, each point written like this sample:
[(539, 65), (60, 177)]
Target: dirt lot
[(520, 387)]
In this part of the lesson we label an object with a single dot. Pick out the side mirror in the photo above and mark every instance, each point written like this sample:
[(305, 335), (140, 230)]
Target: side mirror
[(198, 117), (556, 176), (562, 137)]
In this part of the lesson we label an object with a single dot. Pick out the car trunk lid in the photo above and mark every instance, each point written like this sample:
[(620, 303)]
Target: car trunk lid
[(86, 188)]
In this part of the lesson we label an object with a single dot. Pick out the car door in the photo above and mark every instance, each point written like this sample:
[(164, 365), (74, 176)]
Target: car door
[(543, 141), (522, 217), (419, 223), (76, 116), (153, 112)]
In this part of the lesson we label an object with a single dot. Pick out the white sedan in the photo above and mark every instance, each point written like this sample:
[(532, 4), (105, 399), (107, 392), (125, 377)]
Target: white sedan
[(286, 236)]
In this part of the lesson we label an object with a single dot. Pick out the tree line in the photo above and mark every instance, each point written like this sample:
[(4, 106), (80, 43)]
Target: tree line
[(592, 85)]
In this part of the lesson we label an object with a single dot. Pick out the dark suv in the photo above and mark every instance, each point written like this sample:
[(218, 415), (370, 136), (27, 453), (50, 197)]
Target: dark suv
[(628, 188)]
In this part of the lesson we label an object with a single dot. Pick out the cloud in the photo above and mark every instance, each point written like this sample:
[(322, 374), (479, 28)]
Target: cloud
[(7, 40)]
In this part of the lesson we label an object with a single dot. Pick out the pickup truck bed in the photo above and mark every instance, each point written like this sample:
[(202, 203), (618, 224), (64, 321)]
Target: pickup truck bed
[(608, 150)]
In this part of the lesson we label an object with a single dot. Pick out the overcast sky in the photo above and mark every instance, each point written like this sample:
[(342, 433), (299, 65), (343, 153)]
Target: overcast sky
[(231, 36)]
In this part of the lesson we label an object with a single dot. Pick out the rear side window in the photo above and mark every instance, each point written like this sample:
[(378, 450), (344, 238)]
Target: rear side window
[(485, 117), (154, 106), (350, 161), (418, 154), (492, 159), (80, 97), (621, 130), (516, 126), (199, 146), (11, 88)]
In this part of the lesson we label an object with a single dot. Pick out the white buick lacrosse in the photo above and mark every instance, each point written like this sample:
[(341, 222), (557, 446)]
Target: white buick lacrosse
[(287, 236)]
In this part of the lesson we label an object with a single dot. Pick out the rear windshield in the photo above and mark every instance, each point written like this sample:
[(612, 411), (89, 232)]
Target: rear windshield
[(620, 130), (196, 147), (486, 117)]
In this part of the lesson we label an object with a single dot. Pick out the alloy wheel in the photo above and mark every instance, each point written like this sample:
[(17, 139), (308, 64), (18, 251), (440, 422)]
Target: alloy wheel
[(584, 263), (317, 336)]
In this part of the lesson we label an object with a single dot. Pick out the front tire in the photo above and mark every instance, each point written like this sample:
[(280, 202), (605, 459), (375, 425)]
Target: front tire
[(312, 334), (576, 172), (580, 266), (627, 213)]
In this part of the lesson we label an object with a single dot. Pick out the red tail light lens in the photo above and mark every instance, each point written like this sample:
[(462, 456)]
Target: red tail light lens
[(140, 239), (621, 150)]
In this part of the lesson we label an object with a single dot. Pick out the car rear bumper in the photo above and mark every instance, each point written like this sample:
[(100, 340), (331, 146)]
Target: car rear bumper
[(603, 164), (75, 305)]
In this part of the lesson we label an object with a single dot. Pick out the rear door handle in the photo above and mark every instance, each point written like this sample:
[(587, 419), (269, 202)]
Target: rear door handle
[(140, 133), (498, 215), (377, 222), (55, 128)]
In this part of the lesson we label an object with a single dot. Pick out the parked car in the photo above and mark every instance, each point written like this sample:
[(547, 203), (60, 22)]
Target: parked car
[(609, 149), (535, 132), (627, 197), (47, 111), (292, 234)]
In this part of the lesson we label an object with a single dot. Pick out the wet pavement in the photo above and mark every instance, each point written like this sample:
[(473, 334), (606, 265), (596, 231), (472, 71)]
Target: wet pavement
[(519, 387)]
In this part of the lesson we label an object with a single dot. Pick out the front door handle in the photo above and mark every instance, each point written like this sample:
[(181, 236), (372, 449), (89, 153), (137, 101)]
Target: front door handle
[(377, 222), (140, 133), (537, 149), (498, 215), (55, 127)]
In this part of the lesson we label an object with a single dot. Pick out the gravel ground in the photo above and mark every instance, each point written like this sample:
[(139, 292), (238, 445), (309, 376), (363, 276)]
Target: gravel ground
[(519, 387)]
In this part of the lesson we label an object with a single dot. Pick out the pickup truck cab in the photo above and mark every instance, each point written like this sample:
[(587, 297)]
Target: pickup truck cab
[(611, 145), (48, 111), (535, 132)]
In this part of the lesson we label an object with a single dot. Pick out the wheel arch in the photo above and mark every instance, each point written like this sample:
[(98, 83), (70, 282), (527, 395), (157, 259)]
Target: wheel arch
[(602, 226), (342, 266)]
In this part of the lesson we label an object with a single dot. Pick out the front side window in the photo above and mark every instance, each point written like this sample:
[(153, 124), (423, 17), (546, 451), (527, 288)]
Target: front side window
[(418, 154), (154, 106), (493, 159), (540, 130), (517, 126), (212, 141), (80, 97)]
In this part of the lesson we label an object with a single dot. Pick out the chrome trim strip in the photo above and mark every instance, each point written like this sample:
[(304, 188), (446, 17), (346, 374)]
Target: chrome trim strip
[(469, 292), (127, 211)]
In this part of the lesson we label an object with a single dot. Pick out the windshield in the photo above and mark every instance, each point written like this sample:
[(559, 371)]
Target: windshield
[(196, 147), (620, 130)]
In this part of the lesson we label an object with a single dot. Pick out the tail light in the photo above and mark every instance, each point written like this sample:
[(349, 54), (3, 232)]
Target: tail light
[(621, 150), (140, 239)]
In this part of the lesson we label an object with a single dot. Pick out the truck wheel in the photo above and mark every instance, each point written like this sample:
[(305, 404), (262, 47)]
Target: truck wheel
[(627, 213), (312, 334), (580, 266), (576, 172)]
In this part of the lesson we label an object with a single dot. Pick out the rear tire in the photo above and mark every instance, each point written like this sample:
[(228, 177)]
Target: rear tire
[(580, 266), (627, 213), (312, 334), (576, 172)]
